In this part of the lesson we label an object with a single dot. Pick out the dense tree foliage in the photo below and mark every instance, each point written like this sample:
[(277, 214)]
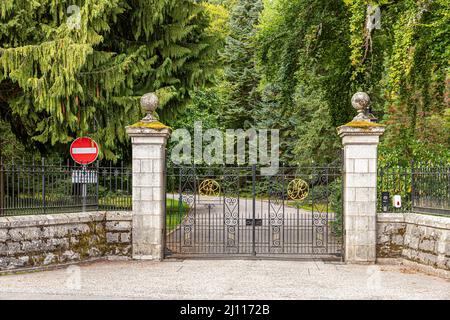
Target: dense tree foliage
[(241, 76), (318, 53), (291, 65), (303, 54), (61, 76)]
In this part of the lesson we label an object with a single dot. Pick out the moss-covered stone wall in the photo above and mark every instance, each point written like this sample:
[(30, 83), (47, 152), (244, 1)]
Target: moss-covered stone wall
[(44, 240)]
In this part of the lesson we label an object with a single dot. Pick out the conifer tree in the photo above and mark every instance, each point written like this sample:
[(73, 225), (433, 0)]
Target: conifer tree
[(241, 75), (79, 67)]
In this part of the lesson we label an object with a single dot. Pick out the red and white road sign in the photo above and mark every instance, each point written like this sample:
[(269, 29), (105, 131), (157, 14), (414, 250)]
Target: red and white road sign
[(84, 150)]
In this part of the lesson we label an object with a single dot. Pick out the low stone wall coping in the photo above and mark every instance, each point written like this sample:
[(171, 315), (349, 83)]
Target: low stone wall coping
[(439, 222), (63, 218), (119, 216), (48, 220), (420, 219), (391, 217)]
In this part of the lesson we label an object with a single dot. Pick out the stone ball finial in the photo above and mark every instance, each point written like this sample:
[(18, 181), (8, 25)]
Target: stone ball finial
[(149, 103), (361, 102)]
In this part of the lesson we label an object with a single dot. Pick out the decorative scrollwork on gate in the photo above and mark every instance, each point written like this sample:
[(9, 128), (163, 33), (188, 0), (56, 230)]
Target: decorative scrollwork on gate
[(187, 195), (320, 214), (298, 189), (209, 187), (276, 212), (231, 209)]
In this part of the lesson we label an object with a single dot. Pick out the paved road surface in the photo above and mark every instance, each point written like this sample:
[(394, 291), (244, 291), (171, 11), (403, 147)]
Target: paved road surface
[(224, 279)]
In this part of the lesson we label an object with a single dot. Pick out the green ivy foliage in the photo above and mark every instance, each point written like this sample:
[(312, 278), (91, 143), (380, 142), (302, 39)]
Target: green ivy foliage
[(304, 52), (319, 53)]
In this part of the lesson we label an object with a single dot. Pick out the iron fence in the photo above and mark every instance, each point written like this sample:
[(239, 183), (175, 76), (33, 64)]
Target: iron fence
[(418, 187), (46, 187)]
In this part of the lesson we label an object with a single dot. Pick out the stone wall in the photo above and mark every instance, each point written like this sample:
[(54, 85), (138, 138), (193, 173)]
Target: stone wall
[(391, 228), (118, 233), (42, 240), (420, 238)]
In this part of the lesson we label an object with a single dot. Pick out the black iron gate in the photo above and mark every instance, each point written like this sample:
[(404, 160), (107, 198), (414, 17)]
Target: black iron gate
[(238, 211)]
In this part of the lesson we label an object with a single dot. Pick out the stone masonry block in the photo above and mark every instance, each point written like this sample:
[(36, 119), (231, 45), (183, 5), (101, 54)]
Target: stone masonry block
[(428, 245), (112, 237), (360, 208), (365, 194), (119, 216), (158, 194), (14, 248), (125, 237), (443, 248), (147, 193), (361, 180), (59, 243), (361, 152), (150, 236), (4, 223), (29, 233), (350, 165), (147, 166), (78, 229), (32, 246), (148, 207), (136, 193), (118, 225), (136, 166), (361, 224), (372, 166), (350, 194), (361, 165), (147, 180), (158, 165), (51, 231), (3, 235), (3, 249), (146, 151)]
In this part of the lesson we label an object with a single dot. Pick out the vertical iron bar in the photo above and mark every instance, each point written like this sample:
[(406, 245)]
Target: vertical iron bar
[(2, 190), (43, 185), (97, 177), (412, 185), (254, 208)]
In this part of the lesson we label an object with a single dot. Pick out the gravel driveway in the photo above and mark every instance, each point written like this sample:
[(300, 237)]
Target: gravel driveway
[(224, 279)]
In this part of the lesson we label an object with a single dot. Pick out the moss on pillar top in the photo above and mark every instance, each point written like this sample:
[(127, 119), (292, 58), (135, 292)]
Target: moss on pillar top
[(362, 124), (155, 125)]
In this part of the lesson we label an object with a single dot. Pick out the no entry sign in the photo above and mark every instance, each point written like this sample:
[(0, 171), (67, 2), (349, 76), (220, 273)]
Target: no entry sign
[(84, 151)]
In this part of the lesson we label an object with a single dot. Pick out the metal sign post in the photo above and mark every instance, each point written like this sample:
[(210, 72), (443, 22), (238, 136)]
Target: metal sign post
[(83, 186)]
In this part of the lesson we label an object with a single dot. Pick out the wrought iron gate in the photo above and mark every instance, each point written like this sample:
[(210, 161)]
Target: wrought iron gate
[(236, 210)]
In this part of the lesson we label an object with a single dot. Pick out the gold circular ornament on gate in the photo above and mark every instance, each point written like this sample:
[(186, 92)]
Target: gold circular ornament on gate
[(298, 189), (209, 187)]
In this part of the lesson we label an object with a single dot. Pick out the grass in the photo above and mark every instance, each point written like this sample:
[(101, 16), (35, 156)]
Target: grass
[(175, 213), (321, 207)]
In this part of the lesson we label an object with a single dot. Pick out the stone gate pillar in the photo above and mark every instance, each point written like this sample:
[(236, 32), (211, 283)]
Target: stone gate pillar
[(148, 139), (360, 139)]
